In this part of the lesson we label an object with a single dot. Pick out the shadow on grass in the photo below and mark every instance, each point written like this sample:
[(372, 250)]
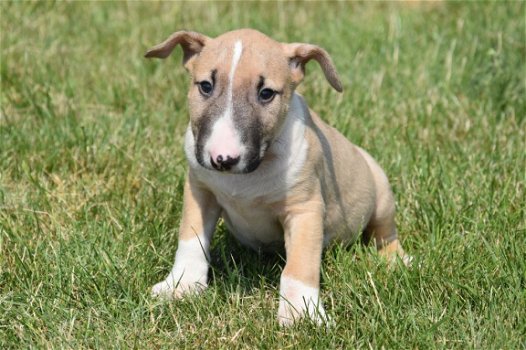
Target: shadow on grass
[(241, 268), (235, 267)]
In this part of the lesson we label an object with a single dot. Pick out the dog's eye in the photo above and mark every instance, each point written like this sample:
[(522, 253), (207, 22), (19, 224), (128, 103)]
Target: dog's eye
[(205, 88), (266, 95)]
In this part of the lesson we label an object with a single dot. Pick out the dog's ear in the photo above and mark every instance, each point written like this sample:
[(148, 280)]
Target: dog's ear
[(191, 42), (299, 54)]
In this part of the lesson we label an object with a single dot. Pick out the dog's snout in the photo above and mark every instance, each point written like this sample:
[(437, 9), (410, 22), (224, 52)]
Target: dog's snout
[(224, 162)]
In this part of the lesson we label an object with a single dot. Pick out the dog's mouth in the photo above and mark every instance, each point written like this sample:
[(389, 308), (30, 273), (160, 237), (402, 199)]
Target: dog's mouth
[(257, 158)]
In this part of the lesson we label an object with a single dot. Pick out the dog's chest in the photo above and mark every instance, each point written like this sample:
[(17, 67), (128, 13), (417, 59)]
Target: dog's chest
[(249, 201), (247, 205), (254, 226)]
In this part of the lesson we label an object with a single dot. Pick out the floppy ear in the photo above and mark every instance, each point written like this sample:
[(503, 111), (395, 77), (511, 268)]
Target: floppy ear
[(191, 42), (299, 54)]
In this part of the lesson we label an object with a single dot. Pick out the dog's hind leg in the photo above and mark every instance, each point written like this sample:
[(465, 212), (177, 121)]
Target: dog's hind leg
[(385, 237), (381, 229)]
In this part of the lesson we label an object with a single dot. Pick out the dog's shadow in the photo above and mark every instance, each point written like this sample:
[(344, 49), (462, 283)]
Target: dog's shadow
[(238, 268)]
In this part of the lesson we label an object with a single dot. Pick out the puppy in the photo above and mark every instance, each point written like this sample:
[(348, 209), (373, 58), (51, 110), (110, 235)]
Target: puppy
[(270, 167)]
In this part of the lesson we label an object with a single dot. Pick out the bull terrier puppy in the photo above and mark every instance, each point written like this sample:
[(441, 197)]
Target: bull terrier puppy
[(270, 167)]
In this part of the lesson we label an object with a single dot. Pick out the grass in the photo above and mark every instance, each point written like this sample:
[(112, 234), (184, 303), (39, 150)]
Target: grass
[(92, 167)]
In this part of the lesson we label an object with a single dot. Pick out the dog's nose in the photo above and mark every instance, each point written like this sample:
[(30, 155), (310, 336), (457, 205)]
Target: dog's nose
[(224, 162)]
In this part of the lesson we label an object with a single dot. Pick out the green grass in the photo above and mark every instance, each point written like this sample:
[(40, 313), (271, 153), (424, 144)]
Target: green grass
[(92, 167)]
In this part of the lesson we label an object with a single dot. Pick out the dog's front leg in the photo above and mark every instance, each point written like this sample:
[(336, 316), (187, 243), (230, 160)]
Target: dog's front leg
[(190, 270), (300, 280)]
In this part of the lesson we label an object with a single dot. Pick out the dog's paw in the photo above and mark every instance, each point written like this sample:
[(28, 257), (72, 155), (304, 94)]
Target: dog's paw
[(189, 274), (393, 252), (396, 261), (289, 313), (407, 260), (298, 301), (164, 290), (182, 281), (170, 289)]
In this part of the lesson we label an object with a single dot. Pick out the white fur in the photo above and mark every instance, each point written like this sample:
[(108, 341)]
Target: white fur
[(238, 50), (238, 194), (297, 300), (224, 140), (190, 270)]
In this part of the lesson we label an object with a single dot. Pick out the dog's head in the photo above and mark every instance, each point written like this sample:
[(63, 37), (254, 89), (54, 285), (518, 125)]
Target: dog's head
[(242, 82)]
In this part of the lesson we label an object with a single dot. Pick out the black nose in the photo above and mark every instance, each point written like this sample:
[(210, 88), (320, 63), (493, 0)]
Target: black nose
[(224, 164)]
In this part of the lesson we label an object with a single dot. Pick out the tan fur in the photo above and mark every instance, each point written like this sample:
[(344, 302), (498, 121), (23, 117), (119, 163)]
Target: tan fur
[(200, 211)]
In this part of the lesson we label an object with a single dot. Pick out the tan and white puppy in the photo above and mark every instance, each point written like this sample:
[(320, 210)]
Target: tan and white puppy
[(270, 167)]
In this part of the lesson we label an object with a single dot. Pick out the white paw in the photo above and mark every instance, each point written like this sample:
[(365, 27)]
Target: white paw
[(189, 274), (171, 288), (163, 290), (297, 301), (407, 260)]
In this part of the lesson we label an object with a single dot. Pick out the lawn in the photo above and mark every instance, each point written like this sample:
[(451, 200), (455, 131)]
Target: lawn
[(92, 169)]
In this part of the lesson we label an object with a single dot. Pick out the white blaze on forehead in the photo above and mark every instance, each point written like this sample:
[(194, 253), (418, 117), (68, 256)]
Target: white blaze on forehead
[(224, 139), (238, 49)]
